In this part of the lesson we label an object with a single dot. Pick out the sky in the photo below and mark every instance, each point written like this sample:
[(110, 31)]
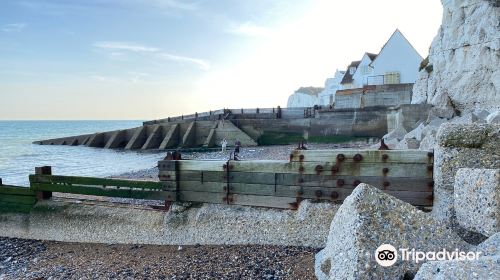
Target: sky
[(149, 59)]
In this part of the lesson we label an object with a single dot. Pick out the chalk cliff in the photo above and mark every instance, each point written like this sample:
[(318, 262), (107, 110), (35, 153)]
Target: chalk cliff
[(304, 97), (463, 67)]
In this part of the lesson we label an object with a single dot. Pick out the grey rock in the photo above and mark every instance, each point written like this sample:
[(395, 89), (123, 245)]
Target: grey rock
[(398, 133), (369, 218), (477, 199), (481, 269), (416, 133), (428, 143), (491, 246), (436, 122), (461, 146), (446, 112), (464, 119), (493, 118), (408, 143), (481, 115)]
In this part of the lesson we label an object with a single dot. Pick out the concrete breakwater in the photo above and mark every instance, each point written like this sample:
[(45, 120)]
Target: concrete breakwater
[(250, 126)]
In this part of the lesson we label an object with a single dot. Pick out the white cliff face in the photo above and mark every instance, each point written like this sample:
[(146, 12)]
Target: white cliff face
[(465, 58), (301, 100), (304, 97)]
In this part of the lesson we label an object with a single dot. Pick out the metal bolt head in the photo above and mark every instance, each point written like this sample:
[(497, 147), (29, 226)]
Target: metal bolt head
[(318, 193), (334, 195), (385, 156), (356, 183), (386, 184), (385, 170), (341, 157), (340, 182), (357, 157), (301, 157)]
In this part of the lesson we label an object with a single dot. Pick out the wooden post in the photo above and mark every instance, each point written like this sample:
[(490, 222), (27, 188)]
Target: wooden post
[(43, 170), (1, 181)]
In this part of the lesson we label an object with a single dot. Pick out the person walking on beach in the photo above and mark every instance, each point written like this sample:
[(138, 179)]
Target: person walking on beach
[(224, 144)]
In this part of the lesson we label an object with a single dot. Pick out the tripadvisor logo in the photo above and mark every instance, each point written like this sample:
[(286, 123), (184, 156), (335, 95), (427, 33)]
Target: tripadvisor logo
[(387, 255)]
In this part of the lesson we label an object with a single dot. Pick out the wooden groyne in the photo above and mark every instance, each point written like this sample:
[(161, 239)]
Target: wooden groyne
[(320, 176)]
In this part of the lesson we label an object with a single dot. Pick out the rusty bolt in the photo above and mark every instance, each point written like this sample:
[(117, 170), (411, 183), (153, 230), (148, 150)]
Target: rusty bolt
[(301, 169), (340, 157), (429, 167), (340, 182), (356, 183), (301, 157), (318, 193), (335, 169), (386, 184), (357, 157), (385, 170), (301, 180), (385, 156), (334, 195), (430, 154), (318, 168), (231, 166), (291, 157)]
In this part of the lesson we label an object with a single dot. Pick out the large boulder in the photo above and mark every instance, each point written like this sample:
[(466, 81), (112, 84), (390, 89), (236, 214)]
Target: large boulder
[(462, 70), (486, 266), (480, 269), (477, 200), (369, 218), (461, 146)]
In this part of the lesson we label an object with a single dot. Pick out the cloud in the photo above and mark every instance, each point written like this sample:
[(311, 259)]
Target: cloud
[(249, 29), (118, 49), (202, 64), (175, 4), (124, 46), (14, 27)]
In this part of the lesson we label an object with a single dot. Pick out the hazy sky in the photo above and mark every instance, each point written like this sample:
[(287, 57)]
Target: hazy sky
[(146, 59)]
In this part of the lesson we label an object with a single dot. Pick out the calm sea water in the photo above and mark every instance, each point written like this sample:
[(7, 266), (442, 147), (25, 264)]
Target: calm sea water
[(18, 157)]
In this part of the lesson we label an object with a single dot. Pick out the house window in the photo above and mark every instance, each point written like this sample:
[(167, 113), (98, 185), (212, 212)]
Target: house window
[(352, 70), (391, 78)]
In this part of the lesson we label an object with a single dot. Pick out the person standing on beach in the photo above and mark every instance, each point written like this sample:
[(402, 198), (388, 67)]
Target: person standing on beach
[(224, 144), (237, 146)]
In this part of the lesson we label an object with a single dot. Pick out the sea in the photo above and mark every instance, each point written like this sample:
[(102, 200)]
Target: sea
[(19, 157)]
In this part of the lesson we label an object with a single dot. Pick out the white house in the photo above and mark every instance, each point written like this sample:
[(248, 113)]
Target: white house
[(327, 96), (363, 71), (304, 97), (396, 63)]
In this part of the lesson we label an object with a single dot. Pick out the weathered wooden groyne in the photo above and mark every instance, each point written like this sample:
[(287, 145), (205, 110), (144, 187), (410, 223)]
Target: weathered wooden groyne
[(250, 126)]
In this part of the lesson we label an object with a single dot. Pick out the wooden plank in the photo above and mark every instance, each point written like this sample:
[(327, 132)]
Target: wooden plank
[(108, 191), (206, 197), (406, 156), (263, 201), (280, 166), (7, 207), (331, 181), (68, 180), (307, 180), (6, 189), (18, 199)]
